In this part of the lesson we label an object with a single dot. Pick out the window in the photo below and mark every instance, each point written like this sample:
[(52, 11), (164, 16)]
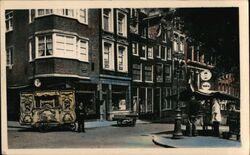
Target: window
[(42, 12), (169, 54), (137, 72), (107, 24), (143, 52), (175, 46), (9, 21), (80, 14), (158, 52), (144, 32), (148, 73), (32, 15), (83, 50), (65, 45), (167, 73), (164, 53), (122, 58), (121, 24), (167, 104), (182, 45), (45, 46), (83, 15), (135, 49), (149, 99), (146, 96), (164, 37), (31, 52), (150, 52), (159, 72), (108, 55), (9, 56), (60, 45)]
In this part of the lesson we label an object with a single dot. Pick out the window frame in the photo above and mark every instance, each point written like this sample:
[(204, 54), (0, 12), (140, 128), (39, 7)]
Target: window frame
[(59, 12), (125, 58), (63, 53), (111, 63), (10, 55), (111, 20), (165, 53), (10, 21), (140, 80), (167, 102), (145, 53), (170, 73), (124, 23), (152, 50), (136, 48), (152, 73)]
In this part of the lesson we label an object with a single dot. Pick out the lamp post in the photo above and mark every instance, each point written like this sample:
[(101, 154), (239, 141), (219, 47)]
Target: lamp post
[(177, 126)]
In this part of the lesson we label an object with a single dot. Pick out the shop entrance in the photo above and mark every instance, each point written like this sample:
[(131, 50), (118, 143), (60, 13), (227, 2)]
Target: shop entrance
[(89, 100)]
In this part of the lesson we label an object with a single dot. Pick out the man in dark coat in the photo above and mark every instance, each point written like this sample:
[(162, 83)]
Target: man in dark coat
[(80, 116), (193, 108)]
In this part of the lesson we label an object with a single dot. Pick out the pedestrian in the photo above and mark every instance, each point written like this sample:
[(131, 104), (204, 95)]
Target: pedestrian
[(80, 114), (216, 117), (193, 108)]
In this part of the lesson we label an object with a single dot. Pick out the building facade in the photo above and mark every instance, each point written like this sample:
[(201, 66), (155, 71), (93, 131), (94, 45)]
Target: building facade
[(114, 59)]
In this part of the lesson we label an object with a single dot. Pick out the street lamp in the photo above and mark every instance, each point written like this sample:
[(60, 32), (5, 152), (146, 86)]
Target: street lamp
[(177, 126)]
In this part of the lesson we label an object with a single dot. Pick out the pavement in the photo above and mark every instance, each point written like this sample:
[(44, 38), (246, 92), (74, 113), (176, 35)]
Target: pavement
[(14, 125), (166, 140)]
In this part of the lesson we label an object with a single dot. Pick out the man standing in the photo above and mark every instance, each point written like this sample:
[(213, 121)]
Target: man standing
[(80, 114), (216, 117), (193, 108)]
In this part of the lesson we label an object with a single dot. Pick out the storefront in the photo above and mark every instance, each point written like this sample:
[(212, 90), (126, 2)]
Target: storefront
[(115, 96)]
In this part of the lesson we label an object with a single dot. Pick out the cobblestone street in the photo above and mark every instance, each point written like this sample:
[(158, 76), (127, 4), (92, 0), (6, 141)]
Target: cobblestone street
[(99, 137)]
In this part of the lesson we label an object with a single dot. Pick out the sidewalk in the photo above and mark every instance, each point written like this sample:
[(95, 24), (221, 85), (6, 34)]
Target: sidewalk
[(14, 125), (165, 140)]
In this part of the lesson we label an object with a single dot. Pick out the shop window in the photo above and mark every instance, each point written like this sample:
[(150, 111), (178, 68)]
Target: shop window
[(149, 100), (119, 98), (167, 104), (122, 58), (107, 24), (9, 20), (108, 55)]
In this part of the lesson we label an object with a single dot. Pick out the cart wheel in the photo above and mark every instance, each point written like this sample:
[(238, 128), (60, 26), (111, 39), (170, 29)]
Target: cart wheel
[(73, 126), (43, 127), (133, 122), (119, 123)]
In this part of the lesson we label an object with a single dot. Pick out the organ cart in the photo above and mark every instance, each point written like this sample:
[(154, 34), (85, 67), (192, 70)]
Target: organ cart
[(44, 109)]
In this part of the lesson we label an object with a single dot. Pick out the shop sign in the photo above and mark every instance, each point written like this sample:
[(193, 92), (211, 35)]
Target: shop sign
[(206, 75), (206, 86)]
